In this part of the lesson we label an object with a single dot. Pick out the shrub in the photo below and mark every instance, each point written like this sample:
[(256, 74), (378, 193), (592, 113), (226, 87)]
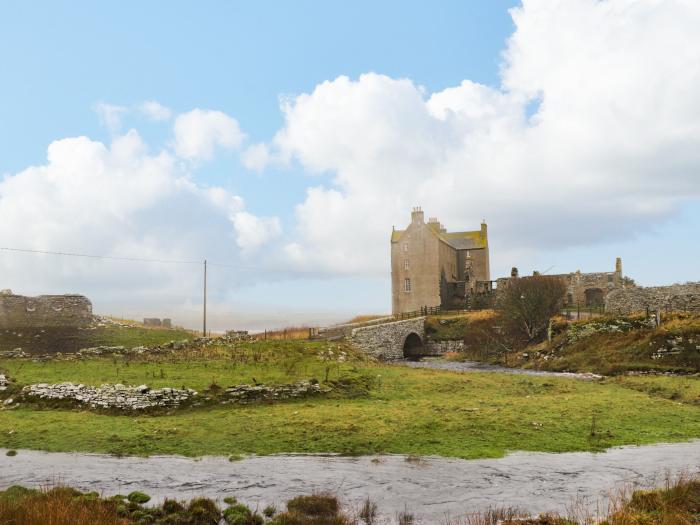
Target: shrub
[(317, 509), (239, 514), (171, 506), (138, 497), (530, 302), (203, 511), (314, 505), (11, 453)]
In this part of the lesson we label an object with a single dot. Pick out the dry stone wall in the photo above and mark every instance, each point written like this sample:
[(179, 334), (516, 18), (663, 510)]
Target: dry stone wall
[(385, 341), (683, 297), (117, 396), (18, 311)]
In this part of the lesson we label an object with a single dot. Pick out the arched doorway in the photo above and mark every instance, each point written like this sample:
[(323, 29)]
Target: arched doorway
[(413, 347), (594, 297)]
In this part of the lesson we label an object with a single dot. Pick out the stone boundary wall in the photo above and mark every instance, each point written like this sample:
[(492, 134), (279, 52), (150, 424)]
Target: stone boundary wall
[(18, 311), (385, 341), (684, 297), (117, 396), (438, 348)]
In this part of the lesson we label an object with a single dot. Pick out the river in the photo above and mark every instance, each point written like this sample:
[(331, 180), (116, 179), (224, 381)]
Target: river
[(430, 487)]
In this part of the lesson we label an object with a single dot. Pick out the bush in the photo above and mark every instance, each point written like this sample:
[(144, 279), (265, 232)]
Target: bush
[(530, 302), (241, 515), (317, 509), (138, 497), (203, 511), (171, 506)]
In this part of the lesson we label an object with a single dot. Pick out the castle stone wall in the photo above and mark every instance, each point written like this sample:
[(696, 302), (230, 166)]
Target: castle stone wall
[(385, 341), (685, 297), (18, 311)]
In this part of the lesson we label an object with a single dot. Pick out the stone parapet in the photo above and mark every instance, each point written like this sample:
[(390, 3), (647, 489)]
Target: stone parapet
[(386, 341)]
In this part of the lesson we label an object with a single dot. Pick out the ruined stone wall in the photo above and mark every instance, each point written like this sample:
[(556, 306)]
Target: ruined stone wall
[(18, 311), (438, 348), (385, 341), (683, 297)]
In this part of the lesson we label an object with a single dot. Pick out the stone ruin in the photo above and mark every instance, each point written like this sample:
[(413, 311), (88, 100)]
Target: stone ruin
[(676, 297), (157, 322), (44, 311)]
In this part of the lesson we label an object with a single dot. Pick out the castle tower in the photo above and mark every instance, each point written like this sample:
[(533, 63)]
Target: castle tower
[(618, 271)]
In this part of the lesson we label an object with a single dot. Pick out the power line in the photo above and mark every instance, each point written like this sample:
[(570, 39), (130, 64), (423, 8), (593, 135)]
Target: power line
[(166, 261), (92, 256)]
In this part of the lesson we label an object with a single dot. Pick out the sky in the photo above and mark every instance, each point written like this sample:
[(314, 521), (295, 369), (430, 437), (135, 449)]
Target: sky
[(281, 141)]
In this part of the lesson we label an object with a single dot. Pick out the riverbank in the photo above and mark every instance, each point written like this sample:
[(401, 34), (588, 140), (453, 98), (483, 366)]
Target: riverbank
[(429, 487)]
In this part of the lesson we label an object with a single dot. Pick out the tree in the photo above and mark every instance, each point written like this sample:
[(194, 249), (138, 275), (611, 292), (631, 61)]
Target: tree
[(530, 302)]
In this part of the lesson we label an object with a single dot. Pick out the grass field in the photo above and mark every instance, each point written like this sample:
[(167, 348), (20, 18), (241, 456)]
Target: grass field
[(410, 411)]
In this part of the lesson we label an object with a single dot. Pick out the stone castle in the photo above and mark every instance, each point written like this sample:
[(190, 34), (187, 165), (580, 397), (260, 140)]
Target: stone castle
[(433, 267), (44, 311)]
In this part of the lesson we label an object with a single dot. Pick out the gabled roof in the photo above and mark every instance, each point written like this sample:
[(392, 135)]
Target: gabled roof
[(471, 240)]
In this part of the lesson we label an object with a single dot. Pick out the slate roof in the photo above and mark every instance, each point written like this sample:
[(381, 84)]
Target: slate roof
[(471, 240)]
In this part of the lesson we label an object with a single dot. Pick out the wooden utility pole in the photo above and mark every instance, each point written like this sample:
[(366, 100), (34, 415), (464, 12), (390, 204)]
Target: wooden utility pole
[(204, 327)]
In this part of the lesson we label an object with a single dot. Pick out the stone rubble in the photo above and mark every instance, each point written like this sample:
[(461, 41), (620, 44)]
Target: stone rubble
[(4, 382), (116, 396)]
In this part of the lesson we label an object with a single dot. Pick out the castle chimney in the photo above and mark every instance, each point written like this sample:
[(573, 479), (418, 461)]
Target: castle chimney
[(514, 272), (483, 229), (417, 216)]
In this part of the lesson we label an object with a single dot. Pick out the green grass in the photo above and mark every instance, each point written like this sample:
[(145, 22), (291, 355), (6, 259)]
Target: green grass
[(409, 411), (680, 389), (52, 340), (264, 362)]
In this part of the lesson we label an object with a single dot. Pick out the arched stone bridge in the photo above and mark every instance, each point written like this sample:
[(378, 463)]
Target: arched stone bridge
[(386, 339)]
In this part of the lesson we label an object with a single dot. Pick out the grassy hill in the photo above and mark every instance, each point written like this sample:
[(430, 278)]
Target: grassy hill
[(53, 340), (618, 345)]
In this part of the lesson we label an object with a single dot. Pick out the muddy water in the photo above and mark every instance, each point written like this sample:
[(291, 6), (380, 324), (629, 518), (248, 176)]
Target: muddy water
[(431, 487), (476, 366)]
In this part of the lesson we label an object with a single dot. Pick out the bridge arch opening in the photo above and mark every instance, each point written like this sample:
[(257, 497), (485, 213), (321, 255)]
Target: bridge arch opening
[(413, 347)]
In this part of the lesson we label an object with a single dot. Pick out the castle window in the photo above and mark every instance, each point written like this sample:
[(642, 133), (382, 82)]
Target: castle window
[(407, 285), (405, 246), (405, 264)]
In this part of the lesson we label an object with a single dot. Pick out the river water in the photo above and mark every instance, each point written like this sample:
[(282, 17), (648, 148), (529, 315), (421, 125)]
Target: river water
[(476, 366), (430, 487)]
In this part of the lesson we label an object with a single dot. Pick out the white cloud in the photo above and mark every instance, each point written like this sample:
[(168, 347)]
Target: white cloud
[(611, 149), (253, 232), (199, 132), (256, 157), (110, 115), (154, 110), (121, 200)]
